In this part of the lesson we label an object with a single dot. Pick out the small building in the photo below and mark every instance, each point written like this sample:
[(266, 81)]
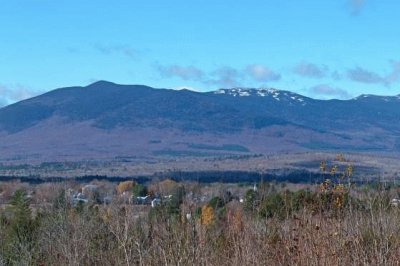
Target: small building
[(78, 198), (395, 202), (155, 202), (89, 189), (142, 200)]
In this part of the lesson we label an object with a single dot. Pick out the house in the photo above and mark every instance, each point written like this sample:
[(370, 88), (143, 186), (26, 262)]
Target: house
[(78, 198), (89, 189), (168, 197), (107, 200), (395, 202), (155, 202), (142, 200)]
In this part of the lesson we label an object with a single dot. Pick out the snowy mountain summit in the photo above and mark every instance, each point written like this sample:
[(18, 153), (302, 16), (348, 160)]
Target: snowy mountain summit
[(278, 95)]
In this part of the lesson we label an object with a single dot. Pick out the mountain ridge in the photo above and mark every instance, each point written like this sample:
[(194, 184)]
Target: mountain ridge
[(165, 121)]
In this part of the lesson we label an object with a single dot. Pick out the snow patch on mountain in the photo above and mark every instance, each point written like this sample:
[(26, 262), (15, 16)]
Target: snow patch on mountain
[(278, 95)]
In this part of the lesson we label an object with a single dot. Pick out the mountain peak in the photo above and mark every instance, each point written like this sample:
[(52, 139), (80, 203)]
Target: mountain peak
[(101, 83)]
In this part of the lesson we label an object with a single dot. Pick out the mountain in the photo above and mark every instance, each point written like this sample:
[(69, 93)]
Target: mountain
[(106, 120)]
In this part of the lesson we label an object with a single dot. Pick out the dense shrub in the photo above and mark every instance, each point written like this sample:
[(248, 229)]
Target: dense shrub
[(139, 190), (271, 227)]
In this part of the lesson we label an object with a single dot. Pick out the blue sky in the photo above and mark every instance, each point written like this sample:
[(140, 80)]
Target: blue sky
[(322, 49)]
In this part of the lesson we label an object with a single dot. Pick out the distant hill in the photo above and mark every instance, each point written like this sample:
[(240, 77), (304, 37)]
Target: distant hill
[(106, 120)]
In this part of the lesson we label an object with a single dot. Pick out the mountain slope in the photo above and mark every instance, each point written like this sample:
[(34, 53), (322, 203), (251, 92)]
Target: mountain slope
[(104, 120)]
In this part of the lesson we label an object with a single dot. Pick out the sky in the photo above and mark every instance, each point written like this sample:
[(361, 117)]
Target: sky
[(321, 49)]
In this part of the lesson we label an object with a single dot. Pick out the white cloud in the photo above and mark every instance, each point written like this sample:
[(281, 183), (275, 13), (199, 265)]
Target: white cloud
[(225, 77), (11, 94), (183, 72), (365, 76), (310, 70), (328, 91), (395, 73), (261, 73)]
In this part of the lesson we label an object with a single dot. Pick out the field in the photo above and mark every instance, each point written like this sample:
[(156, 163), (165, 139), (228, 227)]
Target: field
[(272, 166)]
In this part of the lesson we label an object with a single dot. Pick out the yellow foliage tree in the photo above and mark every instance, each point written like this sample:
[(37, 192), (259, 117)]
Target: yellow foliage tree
[(125, 186), (207, 215), (167, 186)]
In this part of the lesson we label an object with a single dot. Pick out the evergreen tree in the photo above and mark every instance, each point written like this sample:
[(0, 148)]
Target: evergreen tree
[(22, 224), (21, 231)]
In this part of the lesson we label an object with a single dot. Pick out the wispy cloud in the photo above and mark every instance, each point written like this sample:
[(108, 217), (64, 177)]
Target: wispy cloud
[(261, 73), (183, 72), (362, 75), (11, 94), (223, 76), (121, 49), (394, 76), (327, 91), (310, 70), (356, 6), (336, 75)]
